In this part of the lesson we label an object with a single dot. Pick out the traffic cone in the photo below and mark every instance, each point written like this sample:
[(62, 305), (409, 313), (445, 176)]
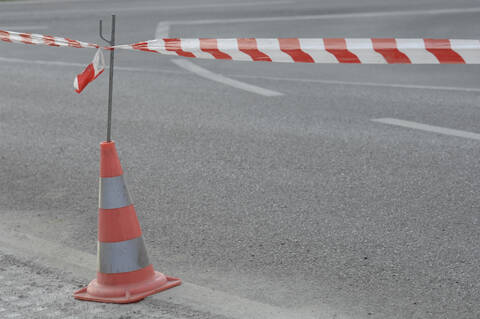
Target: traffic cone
[(124, 273)]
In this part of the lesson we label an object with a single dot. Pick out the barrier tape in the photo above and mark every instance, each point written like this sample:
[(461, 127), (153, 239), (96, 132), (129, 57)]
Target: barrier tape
[(290, 50), (321, 50), (91, 72), (39, 39), (365, 51)]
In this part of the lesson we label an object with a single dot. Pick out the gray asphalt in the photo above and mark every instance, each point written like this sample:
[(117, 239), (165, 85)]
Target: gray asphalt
[(296, 201)]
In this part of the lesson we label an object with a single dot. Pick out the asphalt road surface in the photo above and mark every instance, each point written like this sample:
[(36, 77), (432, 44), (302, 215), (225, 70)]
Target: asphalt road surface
[(342, 193)]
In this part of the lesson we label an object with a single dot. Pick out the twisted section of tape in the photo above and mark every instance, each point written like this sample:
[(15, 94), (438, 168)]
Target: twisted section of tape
[(91, 72), (40, 39)]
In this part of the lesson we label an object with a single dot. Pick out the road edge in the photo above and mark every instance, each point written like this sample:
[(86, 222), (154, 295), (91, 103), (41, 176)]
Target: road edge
[(82, 265)]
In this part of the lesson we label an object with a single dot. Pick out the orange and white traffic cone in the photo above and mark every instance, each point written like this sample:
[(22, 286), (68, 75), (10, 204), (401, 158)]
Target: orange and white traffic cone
[(124, 273)]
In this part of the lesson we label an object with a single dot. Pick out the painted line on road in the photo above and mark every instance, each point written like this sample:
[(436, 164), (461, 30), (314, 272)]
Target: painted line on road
[(189, 66), (83, 265), (23, 27), (163, 30), (374, 84), (331, 16), (204, 6), (429, 128), (329, 82), (140, 8), (40, 62), (23, 2), (82, 65)]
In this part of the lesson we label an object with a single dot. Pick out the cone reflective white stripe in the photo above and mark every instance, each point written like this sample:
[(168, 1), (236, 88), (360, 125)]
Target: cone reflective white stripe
[(113, 193), (123, 256), (91, 72)]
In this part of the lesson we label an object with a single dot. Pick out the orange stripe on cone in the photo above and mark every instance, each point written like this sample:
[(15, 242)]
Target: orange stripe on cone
[(124, 273), (109, 162), (118, 224)]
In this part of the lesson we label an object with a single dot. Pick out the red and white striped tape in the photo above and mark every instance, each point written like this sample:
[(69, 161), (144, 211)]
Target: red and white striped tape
[(293, 50), (339, 50), (321, 50), (91, 72), (40, 39)]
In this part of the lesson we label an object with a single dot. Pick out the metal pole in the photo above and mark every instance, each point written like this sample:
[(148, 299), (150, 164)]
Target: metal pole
[(110, 84)]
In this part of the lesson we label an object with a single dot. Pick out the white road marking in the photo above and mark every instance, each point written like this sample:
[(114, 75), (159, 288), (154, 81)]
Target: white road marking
[(189, 66), (163, 30), (23, 27), (331, 16), (41, 62), (23, 2), (83, 65), (140, 8), (429, 128), (374, 84), (204, 5), (273, 78)]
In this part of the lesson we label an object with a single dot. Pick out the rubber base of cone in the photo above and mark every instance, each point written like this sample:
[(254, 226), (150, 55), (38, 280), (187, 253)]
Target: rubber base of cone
[(126, 294)]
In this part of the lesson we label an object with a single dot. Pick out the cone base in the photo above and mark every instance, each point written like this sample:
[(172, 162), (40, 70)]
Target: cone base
[(126, 294)]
